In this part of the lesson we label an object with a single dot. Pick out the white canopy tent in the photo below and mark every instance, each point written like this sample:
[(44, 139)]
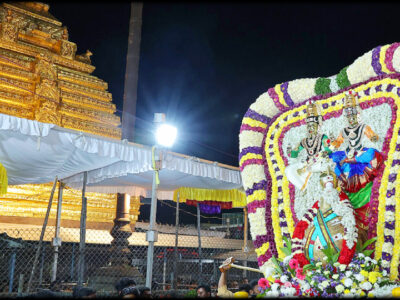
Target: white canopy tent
[(177, 171), (34, 152)]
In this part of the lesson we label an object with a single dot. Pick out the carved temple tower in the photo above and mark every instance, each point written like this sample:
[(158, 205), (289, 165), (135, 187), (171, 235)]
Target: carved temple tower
[(42, 78)]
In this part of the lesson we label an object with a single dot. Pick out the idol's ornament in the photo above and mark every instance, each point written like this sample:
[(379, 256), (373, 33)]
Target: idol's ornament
[(314, 144), (356, 166), (319, 160)]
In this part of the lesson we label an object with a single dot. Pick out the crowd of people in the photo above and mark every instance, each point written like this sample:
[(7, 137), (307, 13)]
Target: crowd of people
[(244, 290), (127, 288)]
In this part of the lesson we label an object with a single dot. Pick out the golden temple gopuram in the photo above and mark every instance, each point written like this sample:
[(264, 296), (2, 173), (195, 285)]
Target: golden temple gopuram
[(42, 78)]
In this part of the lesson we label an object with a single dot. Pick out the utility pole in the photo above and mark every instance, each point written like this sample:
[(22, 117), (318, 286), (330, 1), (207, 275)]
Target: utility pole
[(132, 71)]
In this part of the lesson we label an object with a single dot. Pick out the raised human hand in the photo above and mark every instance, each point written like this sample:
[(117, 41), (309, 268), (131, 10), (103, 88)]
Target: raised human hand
[(226, 265)]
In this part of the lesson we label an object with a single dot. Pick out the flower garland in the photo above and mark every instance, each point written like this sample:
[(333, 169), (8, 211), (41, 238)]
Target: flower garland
[(291, 96), (389, 239), (364, 276), (299, 235), (343, 209), (328, 111)]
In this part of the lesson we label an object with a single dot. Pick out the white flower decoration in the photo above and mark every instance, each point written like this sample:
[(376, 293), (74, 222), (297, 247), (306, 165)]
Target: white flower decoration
[(348, 282), (284, 278), (339, 288), (275, 286), (359, 277), (366, 286)]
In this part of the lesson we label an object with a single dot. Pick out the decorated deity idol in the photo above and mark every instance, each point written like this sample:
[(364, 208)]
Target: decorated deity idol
[(330, 222), (316, 146), (357, 165)]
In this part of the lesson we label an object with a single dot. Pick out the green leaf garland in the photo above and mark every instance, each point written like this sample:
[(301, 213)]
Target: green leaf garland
[(341, 79), (322, 86)]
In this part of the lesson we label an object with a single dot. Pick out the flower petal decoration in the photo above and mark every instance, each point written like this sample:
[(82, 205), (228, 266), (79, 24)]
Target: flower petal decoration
[(375, 76)]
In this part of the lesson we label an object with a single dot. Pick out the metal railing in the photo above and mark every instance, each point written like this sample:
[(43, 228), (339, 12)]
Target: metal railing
[(104, 263)]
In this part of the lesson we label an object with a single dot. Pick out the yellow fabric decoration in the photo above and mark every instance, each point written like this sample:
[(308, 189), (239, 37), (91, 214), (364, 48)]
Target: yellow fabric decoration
[(238, 198), (153, 160), (3, 180)]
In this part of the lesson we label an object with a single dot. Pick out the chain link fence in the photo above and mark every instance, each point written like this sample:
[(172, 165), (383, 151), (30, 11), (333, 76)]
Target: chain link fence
[(107, 258)]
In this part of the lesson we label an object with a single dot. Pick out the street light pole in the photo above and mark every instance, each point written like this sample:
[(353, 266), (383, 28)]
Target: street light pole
[(152, 235), (165, 136)]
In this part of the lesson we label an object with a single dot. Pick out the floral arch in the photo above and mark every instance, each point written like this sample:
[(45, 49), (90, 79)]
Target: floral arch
[(270, 124)]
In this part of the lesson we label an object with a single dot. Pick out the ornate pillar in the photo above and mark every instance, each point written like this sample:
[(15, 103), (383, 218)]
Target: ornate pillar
[(121, 231), (118, 265)]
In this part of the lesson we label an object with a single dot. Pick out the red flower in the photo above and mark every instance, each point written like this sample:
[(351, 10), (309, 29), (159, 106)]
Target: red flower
[(301, 258), (293, 263), (343, 196), (263, 283), (346, 254), (300, 229), (299, 274)]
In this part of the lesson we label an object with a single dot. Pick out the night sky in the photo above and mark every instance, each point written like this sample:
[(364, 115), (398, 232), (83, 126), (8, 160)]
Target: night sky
[(203, 64)]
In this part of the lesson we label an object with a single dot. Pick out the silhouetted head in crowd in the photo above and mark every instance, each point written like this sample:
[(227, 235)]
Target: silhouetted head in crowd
[(245, 280), (171, 294), (245, 288), (83, 292), (130, 292), (144, 292), (124, 282), (45, 293), (203, 291), (234, 284), (254, 287), (192, 282)]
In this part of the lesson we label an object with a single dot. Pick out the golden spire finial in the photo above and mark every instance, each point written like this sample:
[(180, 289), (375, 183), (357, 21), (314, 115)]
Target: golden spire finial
[(9, 16), (88, 54), (65, 33)]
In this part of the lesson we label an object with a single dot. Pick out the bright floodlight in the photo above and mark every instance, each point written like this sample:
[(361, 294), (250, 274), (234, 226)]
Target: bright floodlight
[(166, 135)]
